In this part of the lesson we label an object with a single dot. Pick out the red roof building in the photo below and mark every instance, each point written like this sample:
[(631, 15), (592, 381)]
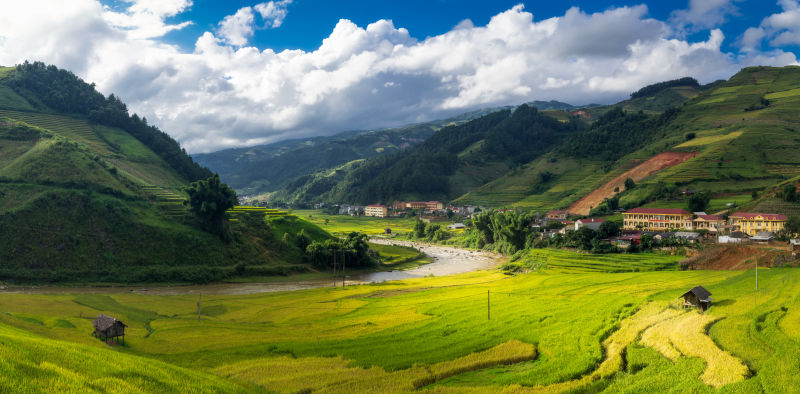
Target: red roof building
[(657, 219)]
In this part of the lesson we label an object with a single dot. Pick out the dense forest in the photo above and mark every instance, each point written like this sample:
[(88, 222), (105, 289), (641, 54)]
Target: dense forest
[(657, 87), (507, 137), (63, 91)]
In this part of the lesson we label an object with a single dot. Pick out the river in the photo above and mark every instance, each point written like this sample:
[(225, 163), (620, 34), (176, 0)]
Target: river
[(446, 261)]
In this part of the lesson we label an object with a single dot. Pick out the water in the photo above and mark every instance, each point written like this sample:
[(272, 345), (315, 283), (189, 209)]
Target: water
[(446, 261)]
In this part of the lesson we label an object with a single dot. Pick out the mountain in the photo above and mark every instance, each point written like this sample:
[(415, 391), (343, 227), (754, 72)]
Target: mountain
[(91, 193), (454, 160), (264, 168), (730, 138)]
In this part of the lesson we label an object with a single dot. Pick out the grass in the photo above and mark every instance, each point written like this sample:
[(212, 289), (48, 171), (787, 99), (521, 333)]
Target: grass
[(558, 260), (549, 331), (343, 224)]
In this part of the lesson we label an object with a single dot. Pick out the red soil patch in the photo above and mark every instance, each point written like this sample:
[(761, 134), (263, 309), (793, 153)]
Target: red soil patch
[(642, 171), (739, 257)]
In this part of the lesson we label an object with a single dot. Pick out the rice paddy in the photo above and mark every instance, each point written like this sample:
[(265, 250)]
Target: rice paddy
[(484, 331)]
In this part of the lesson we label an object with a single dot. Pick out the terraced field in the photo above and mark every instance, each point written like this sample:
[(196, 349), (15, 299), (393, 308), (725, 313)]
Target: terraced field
[(545, 332), (75, 129)]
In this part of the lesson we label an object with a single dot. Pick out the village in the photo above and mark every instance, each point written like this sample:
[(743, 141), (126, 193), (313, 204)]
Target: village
[(659, 224)]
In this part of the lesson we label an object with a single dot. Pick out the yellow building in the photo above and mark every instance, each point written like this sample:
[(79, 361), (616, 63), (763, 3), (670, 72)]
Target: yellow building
[(657, 219), (753, 223), (376, 210)]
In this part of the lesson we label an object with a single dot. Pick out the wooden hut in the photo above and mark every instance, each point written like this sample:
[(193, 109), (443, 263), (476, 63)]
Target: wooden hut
[(697, 297), (106, 327)]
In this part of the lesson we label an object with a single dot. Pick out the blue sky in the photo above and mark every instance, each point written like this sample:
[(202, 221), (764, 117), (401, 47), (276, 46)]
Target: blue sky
[(219, 74)]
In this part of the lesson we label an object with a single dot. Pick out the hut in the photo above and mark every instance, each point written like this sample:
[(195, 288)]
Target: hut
[(698, 297), (106, 327)]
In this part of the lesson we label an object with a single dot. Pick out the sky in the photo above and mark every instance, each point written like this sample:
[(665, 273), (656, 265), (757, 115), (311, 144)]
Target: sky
[(222, 74)]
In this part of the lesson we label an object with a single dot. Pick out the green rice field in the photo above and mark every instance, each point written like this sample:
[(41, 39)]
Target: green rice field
[(343, 224), (546, 331)]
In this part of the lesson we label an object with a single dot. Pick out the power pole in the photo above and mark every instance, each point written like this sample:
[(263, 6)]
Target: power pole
[(199, 308), (756, 274), (344, 261), (488, 306), (334, 269)]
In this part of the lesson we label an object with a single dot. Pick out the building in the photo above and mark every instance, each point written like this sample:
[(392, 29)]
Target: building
[(657, 219), (752, 223), (591, 223), (697, 297), (457, 226), (107, 327), (763, 236), (377, 210), (795, 245), (418, 205), (687, 236), (557, 215), (712, 223)]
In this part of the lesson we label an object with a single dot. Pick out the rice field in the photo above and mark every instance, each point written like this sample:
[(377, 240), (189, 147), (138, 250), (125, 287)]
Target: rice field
[(483, 331), (343, 224)]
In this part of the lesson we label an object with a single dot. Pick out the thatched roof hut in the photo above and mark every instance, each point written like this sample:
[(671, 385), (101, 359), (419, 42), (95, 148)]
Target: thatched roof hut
[(106, 327), (698, 297)]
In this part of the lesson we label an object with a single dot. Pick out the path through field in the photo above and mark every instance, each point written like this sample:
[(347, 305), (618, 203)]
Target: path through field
[(642, 171)]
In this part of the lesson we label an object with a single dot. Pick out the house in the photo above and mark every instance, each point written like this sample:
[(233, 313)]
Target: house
[(657, 219), (457, 226), (346, 209), (762, 236), (687, 236), (794, 244), (107, 327), (697, 297), (582, 113), (591, 223), (626, 241), (712, 223), (752, 223), (569, 225), (557, 215), (425, 205), (664, 236), (376, 210)]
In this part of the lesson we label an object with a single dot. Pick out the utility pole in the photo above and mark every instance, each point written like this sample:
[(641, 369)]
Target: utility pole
[(756, 274), (199, 308), (334, 269), (488, 306), (344, 261)]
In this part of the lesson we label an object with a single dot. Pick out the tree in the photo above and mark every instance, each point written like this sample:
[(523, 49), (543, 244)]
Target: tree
[(793, 225), (419, 229), (608, 229), (209, 199), (629, 184), (788, 193), (302, 240), (698, 202)]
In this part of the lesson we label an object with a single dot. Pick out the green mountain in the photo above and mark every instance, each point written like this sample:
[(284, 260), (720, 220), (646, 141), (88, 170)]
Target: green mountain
[(265, 168), (91, 193), (453, 161), (729, 138)]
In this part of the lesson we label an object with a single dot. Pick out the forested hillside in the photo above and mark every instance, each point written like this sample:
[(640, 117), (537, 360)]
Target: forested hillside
[(452, 161), (91, 193)]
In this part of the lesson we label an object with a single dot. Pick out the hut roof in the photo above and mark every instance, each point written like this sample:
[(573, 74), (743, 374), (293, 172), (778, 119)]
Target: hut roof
[(699, 291), (103, 322)]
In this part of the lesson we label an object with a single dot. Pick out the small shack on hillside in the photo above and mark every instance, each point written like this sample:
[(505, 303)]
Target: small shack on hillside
[(107, 327), (697, 297)]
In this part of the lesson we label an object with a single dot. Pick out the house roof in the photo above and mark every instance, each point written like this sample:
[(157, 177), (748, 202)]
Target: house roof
[(709, 218), (763, 236), (557, 211), (376, 206), (103, 322), (794, 241), (686, 234), (700, 292), (753, 215), (659, 211)]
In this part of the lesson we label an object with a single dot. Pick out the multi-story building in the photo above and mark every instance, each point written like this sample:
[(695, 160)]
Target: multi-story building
[(376, 210), (425, 205), (657, 219), (712, 223), (753, 223)]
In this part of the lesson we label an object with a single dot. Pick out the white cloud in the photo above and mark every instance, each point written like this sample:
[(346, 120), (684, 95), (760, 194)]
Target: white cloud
[(273, 12), (145, 18), (237, 29), (225, 93), (780, 29), (703, 14)]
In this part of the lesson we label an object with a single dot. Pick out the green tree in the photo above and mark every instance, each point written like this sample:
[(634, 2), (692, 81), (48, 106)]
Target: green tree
[(209, 199), (419, 229), (788, 193), (608, 229), (629, 184), (698, 202), (302, 240), (793, 225)]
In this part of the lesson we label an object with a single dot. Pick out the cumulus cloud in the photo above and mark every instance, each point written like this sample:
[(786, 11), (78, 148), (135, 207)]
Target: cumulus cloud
[(273, 12), (225, 93), (779, 29), (703, 14), (145, 18)]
